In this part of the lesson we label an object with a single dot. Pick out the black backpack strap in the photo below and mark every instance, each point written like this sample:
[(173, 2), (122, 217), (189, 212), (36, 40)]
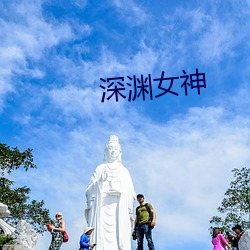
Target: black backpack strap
[(148, 208), (136, 212)]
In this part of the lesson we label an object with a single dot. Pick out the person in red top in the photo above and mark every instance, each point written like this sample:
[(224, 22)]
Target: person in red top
[(218, 240)]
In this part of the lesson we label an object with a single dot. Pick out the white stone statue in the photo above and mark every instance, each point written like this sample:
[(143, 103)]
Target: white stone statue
[(25, 235), (110, 198), (244, 242), (4, 212)]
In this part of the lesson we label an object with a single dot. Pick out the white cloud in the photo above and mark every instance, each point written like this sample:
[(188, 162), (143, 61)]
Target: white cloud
[(109, 65), (131, 12), (32, 33), (196, 34), (241, 98), (83, 102), (80, 3), (217, 42), (25, 39)]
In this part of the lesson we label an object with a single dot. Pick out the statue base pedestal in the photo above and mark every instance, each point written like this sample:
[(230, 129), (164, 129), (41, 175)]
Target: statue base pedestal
[(12, 247)]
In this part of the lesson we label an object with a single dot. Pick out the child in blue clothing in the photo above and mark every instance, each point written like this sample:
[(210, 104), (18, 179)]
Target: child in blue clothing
[(84, 240)]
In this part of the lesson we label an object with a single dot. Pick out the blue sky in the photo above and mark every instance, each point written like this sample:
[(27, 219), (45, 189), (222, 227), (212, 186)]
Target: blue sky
[(179, 150)]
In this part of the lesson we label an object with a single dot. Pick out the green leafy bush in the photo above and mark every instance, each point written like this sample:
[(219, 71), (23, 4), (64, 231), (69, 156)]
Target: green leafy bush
[(6, 240)]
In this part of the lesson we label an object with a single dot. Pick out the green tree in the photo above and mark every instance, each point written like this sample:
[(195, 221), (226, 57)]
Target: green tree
[(17, 199), (235, 206)]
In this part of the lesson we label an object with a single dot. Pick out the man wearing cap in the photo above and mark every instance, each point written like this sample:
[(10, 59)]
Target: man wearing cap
[(84, 240), (142, 224), (239, 231)]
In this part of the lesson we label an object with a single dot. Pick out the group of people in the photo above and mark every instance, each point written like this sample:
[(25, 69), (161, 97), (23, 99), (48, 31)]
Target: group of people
[(144, 223), (219, 241), (57, 236)]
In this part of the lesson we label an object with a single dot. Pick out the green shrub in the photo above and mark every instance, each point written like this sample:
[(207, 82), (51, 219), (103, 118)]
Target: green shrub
[(6, 240)]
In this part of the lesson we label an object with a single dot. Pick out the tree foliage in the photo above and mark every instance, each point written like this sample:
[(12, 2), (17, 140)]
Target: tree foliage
[(17, 199), (12, 159), (235, 206)]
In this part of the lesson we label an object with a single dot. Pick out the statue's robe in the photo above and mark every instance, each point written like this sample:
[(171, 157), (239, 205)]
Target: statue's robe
[(110, 197)]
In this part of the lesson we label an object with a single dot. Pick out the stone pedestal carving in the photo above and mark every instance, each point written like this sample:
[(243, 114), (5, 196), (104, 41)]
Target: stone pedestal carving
[(7, 229), (110, 198), (24, 236)]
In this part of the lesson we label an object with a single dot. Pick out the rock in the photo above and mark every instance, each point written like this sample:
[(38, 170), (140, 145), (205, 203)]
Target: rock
[(244, 242), (13, 247)]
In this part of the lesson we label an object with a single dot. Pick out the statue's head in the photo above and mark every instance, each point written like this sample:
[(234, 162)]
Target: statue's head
[(113, 150)]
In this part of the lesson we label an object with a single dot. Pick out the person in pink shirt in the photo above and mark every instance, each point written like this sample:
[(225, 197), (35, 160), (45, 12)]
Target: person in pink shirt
[(218, 240)]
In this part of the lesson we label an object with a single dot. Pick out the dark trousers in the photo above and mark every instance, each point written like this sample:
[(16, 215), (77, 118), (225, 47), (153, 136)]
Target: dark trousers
[(142, 230)]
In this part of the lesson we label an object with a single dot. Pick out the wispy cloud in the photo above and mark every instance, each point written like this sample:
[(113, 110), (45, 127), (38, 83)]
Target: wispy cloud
[(131, 12), (26, 40), (217, 42), (80, 3)]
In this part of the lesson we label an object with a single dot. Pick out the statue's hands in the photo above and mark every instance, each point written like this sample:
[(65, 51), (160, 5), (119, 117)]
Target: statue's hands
[(132, 219), (104, 176), (131, 214), (90, 202)]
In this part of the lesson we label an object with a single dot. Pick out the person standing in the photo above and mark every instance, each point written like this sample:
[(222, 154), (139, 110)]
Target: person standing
[(218, 240), (143, 225), (85, 239), (56, 231)]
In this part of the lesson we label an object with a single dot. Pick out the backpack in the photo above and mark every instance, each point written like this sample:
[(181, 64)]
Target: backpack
[(149, 212)]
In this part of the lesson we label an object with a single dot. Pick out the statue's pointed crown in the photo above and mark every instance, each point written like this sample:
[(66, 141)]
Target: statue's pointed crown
[(113, 138)]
